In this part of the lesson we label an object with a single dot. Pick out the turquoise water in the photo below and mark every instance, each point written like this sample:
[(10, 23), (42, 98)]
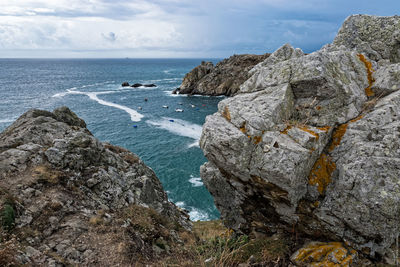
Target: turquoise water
[(166, 140)]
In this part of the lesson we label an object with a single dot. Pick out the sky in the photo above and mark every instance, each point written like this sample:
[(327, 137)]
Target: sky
[(172, 28)]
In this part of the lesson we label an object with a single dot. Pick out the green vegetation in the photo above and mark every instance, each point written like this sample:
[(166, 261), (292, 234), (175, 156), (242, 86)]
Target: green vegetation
[(7, 215)]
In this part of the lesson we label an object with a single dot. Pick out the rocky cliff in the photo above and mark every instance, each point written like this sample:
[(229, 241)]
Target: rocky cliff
[(222, 79), (311, 145), (66, 198)]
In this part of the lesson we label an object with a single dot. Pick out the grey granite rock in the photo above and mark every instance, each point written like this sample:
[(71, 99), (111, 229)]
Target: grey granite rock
[(377, 37), (63, 180), (313, 141), (387, 80)]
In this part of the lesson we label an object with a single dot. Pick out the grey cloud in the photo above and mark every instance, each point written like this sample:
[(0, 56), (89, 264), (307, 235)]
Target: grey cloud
[(110, 36)]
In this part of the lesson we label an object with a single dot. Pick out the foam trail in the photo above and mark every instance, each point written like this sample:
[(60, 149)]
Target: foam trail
[(135, 116), (195, 181), (179, 127)]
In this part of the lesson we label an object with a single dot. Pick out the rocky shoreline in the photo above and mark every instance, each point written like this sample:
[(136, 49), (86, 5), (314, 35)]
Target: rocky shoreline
[(222, 79), (303, 164)]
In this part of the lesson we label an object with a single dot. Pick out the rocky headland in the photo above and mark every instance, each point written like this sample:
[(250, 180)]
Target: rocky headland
[(224, 78), (68, 199), (310, 145)]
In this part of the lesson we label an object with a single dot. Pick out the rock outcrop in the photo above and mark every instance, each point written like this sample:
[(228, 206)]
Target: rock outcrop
[(222, 79), (68, 198), (311, 143)]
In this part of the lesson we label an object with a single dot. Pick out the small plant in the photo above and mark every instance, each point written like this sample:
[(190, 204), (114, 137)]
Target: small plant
[(7, 216)]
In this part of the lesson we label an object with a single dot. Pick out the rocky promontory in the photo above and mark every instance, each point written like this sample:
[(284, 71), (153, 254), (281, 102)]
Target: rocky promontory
[(310, 145), (68, 199), (222, 79)]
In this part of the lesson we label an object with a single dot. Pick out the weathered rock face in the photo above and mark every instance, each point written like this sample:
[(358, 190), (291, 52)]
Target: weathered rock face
[(376, 37), (312, 143), (221, 79), (62, 183)]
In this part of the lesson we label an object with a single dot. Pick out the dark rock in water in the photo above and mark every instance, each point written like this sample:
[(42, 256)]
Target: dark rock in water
[(150, 85), (125, 84), (176, 91), (137, 85), (78, 197), (221, 79), (308, 145)]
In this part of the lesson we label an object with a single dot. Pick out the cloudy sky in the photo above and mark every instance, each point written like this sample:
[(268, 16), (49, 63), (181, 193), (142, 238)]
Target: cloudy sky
[(172, 28)]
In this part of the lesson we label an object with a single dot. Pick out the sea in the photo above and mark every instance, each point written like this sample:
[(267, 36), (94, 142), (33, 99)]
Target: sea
[(166, 140)]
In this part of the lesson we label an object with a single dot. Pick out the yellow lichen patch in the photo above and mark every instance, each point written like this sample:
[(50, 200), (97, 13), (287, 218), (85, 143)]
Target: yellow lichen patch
[(243, 128), (321, 172), (325, 128), (337, 136), (306, 129), (357, 119), (286, 129), (257, 139), (226, 114), (370, 70), (318, 254)]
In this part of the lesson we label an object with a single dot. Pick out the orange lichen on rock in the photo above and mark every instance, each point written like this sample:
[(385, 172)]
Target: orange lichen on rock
[(306, 129), (286, 129), (318, 254), (243, 128), (370, 70), (257, 139), (357, 119), (321, 172), (325, 128), (337, 136), (318, 107), (226, 114)]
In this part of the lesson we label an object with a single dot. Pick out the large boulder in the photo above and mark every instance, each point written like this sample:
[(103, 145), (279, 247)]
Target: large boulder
[(312, 142), (62, 184), (222, 79)]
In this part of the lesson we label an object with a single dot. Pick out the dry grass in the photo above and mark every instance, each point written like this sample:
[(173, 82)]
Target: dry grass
[(212, 244), (46, 175)]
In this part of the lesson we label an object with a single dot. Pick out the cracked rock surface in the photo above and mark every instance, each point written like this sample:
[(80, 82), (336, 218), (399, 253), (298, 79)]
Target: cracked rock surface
[(75, 199), (313, 141)]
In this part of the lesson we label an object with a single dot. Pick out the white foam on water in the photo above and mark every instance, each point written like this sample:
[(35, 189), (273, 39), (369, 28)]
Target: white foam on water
[(180, 204), (6, 120), (178, 127), (195, 181), (169, 93), (194, 214), (194, 144), (135, 116), (198, 215)]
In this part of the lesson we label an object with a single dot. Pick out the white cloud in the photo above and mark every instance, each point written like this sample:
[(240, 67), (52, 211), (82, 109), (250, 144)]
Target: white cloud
[(159, 27)]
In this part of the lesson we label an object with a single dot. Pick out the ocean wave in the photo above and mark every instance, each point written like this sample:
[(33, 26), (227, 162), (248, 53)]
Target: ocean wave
[(195, 181), (168, 71), (169, 93), (135, 116), (194, 213), (6, 120), (178, 127)]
